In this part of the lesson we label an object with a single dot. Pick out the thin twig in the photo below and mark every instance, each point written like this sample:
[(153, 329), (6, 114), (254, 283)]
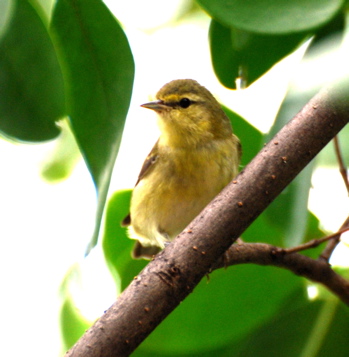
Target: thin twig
[(314, 242), (342, 168), (327, 252)]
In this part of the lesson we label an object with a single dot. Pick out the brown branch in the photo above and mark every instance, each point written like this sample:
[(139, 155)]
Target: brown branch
[(342, 168), (314, 242), (174, 272), (331, 245), (265, 254)]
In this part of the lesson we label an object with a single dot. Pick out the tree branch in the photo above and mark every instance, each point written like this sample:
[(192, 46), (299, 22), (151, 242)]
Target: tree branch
[(174, 272), (266, 254), (331, 245), (315, 242)]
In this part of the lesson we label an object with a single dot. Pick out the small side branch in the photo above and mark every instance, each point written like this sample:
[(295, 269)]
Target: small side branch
[(266, 254), (315, 242), (327, 252)]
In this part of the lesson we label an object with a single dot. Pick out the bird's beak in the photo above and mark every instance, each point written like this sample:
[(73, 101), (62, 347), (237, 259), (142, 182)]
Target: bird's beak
[(158, 105)]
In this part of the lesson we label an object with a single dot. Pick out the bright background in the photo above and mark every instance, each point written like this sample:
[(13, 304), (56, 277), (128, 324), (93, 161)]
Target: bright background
[(57, 218)]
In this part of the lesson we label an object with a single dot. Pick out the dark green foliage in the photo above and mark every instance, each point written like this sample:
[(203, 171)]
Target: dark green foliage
[(31, 83)]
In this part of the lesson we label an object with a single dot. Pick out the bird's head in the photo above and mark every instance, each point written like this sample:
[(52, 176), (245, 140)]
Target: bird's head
[(189, 114)]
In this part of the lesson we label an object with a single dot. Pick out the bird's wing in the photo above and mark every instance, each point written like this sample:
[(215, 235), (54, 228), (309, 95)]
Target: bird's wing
[(239, 146), (146, 168), (149, 162)]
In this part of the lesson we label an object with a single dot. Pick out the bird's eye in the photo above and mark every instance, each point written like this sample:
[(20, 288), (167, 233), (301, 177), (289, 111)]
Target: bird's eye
[(185, 102)]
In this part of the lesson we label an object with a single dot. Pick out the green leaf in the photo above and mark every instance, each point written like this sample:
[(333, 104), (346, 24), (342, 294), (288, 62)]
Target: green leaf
[(273, 16), (61, 161), (223, 56), (250, 137), (313, 231), (98, 70), (73, 323), (6, 12), (221, 311), (117, 246), (289, 211), (327, 157), (239, 53), (31, 83), (312, 330), (262, 230)]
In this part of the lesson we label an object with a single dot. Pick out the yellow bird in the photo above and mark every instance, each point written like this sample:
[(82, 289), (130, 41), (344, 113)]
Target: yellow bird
[(195, 157)]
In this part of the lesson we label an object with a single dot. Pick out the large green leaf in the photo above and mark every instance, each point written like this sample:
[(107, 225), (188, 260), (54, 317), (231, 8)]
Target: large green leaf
[(250, 137), (61, 161), (312, 330), (223, 55), (239, 53), (233, 346), (73, 323), (31, 83), (222, 310), (263, 231), (289, 211), (98, 70), (117, 246), (6, 12), (327, 156), (298, 328), (273, 16)]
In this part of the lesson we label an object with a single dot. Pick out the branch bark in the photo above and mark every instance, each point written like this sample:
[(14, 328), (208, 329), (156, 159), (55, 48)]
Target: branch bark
[(265, 254), (174, 273), (332, 244)]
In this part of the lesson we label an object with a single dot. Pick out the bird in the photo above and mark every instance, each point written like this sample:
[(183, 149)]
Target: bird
[(195, 157)]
